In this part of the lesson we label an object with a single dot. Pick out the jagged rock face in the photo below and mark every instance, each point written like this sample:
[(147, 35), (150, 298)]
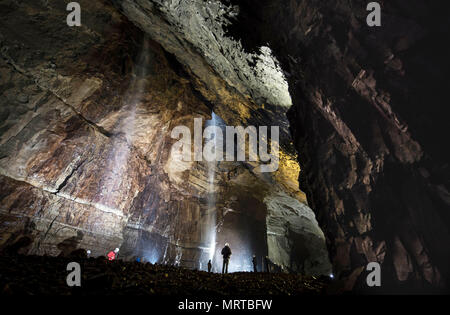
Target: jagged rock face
[(86, 151), (177, 25), (86, 134), (368, 114), (368, 109), (293, 234), (245, 88)]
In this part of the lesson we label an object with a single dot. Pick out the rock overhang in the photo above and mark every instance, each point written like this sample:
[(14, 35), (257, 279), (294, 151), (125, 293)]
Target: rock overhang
[(81, 137)]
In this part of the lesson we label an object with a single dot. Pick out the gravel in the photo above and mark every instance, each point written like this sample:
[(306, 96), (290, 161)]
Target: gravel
[(45, 275)]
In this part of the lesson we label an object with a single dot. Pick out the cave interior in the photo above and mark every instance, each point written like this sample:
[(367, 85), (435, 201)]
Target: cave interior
[(88, 158)]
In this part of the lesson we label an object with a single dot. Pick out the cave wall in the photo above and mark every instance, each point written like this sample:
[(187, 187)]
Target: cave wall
[(369, 123), (86, 122), (85, 150), (367, 118)]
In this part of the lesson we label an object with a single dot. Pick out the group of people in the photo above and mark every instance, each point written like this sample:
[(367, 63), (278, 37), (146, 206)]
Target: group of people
[(226, 254)]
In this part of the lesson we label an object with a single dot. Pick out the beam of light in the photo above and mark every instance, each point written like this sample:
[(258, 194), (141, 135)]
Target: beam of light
[(212, 246), (152, 256), (118, 156), (211, 200), (115, 180), (240, 264), (240, 260)]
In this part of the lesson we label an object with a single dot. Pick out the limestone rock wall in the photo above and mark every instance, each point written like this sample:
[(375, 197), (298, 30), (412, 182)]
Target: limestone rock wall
[(85, 147), (86, 130), (294, 238), (368, 118)]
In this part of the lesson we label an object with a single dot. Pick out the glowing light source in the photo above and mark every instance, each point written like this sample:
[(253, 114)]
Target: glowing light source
[(211, 216)]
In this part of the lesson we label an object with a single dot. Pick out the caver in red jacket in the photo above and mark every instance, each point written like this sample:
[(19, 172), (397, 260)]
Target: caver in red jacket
[(112, 254)]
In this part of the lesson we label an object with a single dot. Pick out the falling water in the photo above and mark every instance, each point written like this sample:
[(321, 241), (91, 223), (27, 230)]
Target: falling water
[(125, 129), (115, 179), (211, 216)]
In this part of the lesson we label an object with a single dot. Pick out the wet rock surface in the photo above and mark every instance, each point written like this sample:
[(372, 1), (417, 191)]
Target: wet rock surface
[(369, 110), (40, 275), (195, 32), (367, 120), (85, 147)]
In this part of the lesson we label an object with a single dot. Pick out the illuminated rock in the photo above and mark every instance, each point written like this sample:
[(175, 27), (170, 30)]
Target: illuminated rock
[(85, 145)]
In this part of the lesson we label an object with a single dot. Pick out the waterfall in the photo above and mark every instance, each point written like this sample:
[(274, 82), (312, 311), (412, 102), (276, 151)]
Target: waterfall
[(126, 125), (211, 216), (115, 179)]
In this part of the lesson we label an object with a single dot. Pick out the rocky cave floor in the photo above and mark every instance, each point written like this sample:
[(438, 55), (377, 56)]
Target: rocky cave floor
[(45, 275)]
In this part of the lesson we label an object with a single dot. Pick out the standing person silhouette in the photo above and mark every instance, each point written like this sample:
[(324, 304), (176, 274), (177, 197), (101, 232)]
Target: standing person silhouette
[(267, 263), (226, 253), (209, 265), (254, 263)]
